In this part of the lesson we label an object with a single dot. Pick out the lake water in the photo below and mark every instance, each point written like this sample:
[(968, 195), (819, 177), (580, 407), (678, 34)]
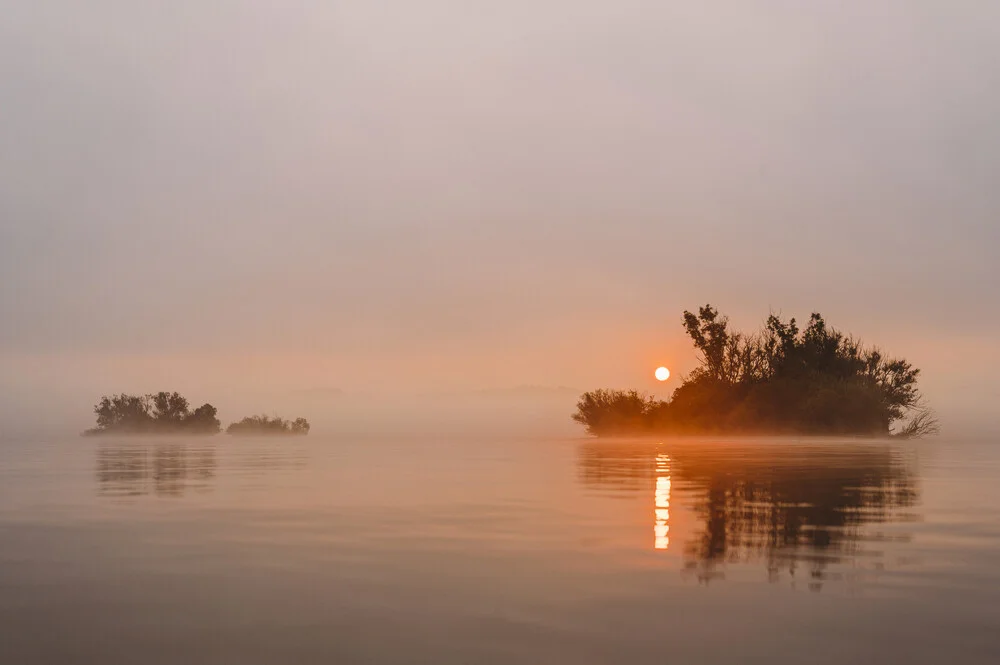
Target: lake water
[(311, 550)]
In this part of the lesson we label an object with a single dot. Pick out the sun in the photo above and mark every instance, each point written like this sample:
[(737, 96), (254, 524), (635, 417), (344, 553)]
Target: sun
[(662, 373)]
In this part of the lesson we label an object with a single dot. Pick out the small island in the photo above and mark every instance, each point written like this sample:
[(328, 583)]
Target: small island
[(265, 426), (169, 413), (779, 380), (161, 412)]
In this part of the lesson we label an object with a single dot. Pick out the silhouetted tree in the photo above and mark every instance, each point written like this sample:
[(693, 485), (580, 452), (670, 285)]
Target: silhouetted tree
[(169, 407), (123, 412), (203, 420), (710, 333)]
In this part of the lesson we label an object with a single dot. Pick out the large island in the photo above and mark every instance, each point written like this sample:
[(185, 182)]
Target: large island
[(778, 380)]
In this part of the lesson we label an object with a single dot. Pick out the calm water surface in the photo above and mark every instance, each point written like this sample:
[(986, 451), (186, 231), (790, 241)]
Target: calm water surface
[(499, 551)]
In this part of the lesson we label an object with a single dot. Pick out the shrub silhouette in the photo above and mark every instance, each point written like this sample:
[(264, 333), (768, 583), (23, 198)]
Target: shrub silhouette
[(611, 411), (264, 425), (781, 379)]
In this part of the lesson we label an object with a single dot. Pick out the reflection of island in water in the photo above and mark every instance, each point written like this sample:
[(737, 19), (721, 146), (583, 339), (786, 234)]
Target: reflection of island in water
[(784, 504), (163, 469)]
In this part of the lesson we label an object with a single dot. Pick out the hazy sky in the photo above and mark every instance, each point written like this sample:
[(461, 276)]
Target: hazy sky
[(373, 195)]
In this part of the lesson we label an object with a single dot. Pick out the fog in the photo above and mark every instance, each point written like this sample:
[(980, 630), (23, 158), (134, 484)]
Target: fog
[(247, 201)]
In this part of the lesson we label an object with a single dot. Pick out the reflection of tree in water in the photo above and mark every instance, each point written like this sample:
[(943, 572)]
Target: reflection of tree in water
[(783, 504), (164, 469)]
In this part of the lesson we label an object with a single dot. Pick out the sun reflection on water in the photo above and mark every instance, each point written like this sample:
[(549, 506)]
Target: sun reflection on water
[(661, 526)]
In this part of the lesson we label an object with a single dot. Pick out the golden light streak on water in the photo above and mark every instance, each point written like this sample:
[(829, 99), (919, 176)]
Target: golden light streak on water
[(661, 499)]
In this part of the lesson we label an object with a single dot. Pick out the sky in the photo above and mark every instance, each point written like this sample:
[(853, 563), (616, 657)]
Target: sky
[(240, 198)]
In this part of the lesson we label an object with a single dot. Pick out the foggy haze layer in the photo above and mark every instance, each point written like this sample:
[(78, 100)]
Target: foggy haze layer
[(241, 200)]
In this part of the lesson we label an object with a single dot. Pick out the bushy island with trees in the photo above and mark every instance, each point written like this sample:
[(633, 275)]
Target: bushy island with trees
[(169, 413), (263, 425), (779, 380)]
